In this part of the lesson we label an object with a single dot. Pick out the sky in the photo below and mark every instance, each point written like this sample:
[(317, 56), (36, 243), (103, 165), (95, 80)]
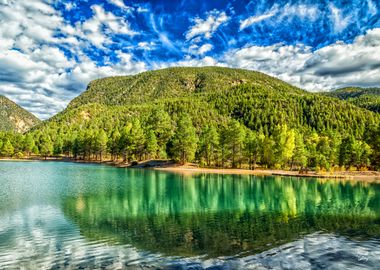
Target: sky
[(50, 50)]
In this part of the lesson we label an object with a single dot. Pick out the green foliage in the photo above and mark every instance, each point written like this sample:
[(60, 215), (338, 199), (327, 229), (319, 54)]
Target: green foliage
[(46, 146), (151, 145), (368, 98), (252, 148), (101, 143), (7, 149), (185, 140), (208, 145), (233, 143), (171, 83)]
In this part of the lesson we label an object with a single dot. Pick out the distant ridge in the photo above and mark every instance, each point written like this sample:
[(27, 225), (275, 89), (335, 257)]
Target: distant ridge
[(368, 98), (15, 118)]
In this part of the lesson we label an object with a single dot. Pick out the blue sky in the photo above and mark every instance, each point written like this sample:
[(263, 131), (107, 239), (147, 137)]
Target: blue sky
[(50, 50)]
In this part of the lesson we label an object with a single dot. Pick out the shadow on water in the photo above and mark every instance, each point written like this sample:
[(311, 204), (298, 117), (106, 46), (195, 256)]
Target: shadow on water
[(221, 215)]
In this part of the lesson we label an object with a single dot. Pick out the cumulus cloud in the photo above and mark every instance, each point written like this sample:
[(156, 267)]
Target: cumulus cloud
[(333, 66), (205, 48), (206, 27), (36, 72), (200, 50), (101, 24)]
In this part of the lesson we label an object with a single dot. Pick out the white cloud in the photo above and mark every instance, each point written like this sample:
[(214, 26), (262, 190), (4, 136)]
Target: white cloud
[(45, 81), (147, 46), (333, 66), (372, 7), (339, 21), (162, 35), (142, 10), (119, 3), (36, 73), (190, 62), (289, 11), (255, 19), (69, 6), (102, 23), (205, 48), (310, 12), (206, 27), (200, 50)]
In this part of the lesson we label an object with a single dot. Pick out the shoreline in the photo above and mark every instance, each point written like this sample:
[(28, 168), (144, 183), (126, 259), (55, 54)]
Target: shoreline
[(169, 166), (368, 176)]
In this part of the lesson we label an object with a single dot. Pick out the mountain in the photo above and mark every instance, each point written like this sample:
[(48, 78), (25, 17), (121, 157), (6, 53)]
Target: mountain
[(211, 115), (255, 99), (368, 98), (15, 118), (173, 83)]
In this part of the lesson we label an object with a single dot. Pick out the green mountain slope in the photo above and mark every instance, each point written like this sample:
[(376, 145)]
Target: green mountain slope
[(173, 83), (211, 115), (368, 98), (15, 118), (213, 93)]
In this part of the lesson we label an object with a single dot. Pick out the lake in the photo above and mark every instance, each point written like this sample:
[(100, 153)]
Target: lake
[(56, 215)]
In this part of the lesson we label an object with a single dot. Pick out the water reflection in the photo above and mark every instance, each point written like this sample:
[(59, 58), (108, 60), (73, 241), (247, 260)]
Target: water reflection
[(74, 216), (223, 215)]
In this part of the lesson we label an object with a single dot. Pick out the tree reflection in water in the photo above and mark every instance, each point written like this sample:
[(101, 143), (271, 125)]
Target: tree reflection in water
[(222, 215)]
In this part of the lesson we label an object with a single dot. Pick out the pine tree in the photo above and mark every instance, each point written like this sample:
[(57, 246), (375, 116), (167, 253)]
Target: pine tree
[(125, 142), (137, 139), (46, 146), (251, 148), (346, 151), (29, 143), (8, 149), (185, 140), (114, 143), (160, 121), (151, 145), (235, 135), (284, 144), (101, 142), (209, 144), (58, 145), (300, 153), (268, 157)]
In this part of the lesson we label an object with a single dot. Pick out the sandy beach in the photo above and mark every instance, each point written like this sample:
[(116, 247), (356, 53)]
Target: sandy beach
[(370, 176), (169, 166)]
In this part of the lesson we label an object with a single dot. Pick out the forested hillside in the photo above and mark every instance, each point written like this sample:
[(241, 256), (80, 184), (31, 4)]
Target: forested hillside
[(15, 118), (368, 98), (213, 116), (173, 83)]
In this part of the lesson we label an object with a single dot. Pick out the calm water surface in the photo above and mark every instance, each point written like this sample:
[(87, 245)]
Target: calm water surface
[(57, 215)]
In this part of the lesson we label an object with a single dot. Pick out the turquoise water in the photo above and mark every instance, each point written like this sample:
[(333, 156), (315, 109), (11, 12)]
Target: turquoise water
[(66, 215)]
